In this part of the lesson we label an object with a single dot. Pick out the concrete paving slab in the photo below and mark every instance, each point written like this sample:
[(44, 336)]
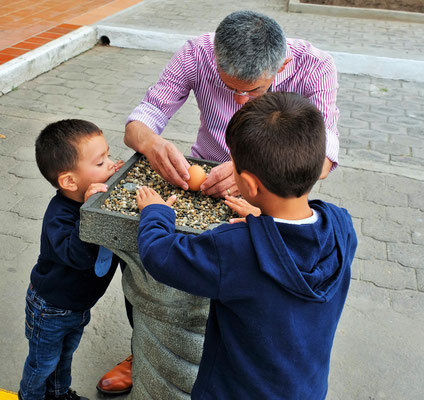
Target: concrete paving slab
[(376, 352)]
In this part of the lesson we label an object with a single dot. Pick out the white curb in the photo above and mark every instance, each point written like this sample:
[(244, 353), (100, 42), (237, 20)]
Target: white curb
[(46, 57), (144, 40), (346, 63)]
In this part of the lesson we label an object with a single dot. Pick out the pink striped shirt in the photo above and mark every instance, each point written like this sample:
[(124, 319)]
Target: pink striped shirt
[(311, 73)]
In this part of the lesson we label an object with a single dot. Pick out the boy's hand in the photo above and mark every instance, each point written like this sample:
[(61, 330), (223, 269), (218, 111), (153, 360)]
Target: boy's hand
[(241, 207), (93, 189), (118, 165), (146, 196)]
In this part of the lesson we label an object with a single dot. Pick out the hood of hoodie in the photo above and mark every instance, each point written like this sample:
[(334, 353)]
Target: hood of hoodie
[(308, 260)]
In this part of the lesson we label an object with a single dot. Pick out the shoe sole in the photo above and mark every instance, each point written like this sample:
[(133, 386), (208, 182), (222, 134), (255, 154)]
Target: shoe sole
[(115, 391)]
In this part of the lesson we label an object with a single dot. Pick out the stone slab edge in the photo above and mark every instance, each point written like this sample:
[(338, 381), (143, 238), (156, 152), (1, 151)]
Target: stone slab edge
[(46, 57), (347, 63), (405, 171), (295, 6), (379, 67)]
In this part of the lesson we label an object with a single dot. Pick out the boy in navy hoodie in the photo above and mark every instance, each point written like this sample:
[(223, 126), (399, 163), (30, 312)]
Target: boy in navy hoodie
[(70, 275), (277, 282)]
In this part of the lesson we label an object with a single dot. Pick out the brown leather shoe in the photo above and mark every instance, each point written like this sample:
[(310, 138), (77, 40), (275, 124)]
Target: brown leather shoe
[(118, 380)]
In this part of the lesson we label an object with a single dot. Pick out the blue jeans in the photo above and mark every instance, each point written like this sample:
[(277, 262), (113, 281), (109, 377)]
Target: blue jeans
[(53, 334)]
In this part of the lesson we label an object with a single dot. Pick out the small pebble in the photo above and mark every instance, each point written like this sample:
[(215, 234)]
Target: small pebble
[(130, 186)]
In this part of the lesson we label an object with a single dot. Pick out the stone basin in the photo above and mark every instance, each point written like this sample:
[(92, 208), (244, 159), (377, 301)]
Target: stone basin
[(106, 227)]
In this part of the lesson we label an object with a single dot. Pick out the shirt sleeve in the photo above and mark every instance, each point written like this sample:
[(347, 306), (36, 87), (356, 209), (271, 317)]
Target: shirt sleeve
[(166, 97), (322, 91), (185, 262)]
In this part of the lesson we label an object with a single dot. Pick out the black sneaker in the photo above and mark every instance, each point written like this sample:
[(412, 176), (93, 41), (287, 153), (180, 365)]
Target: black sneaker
[(69, 395)]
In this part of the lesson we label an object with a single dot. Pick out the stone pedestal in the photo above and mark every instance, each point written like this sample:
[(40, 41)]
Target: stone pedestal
[(168, 334)]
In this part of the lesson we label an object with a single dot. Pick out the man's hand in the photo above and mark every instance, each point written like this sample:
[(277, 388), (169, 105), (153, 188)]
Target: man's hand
[(220, 181), (241, 206), (93, 189), (146, 196), (163, 156), (168, 162)]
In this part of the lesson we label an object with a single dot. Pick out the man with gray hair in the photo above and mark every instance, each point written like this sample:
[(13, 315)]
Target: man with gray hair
[(247, 56)]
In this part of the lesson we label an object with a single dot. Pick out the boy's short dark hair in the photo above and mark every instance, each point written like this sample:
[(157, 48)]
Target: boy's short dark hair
[(56, 148), (279, 137)]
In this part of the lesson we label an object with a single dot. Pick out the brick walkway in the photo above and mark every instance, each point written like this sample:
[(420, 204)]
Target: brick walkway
[(26, 25)]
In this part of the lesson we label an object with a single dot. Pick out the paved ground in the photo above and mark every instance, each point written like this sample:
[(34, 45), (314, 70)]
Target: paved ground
[(378, 351), (353, 35)]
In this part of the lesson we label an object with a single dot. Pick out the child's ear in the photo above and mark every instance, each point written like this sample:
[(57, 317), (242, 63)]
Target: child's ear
[(66, 181), (251, 182)]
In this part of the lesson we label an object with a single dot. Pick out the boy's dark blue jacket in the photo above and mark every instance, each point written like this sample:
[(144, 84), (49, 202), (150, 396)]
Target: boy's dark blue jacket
[(64, 274), (277, 293)]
